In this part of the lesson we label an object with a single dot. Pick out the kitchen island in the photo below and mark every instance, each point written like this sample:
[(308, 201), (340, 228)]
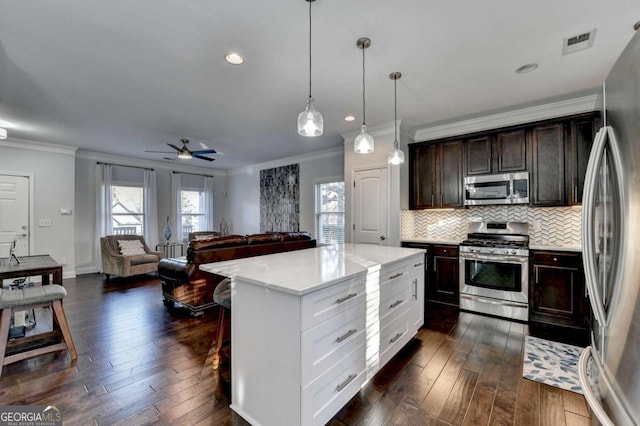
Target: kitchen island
[(310, 327)]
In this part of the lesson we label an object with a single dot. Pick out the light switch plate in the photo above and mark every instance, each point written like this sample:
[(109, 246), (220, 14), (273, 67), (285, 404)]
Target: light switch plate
[(44, 222)]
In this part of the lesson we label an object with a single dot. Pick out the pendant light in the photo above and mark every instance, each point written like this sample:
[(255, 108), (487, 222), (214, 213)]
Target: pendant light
[(363, 144), (310, 122), (396, 156)]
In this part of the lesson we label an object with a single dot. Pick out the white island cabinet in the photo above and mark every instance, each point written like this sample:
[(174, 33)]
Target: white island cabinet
[(310, 327)]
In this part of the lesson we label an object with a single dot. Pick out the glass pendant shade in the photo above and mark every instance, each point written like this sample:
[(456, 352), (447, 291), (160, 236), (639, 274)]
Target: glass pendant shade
[(363, 143), (396, 156), (310, 122)]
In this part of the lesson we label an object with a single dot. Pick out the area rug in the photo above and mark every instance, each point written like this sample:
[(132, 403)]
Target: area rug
[(552, 363)]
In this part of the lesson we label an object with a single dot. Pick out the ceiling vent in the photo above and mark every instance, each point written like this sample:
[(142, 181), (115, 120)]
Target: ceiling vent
[(578, 42)]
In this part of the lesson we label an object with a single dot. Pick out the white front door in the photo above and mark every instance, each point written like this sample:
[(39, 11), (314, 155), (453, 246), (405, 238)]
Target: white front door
[(14, 214), (371, 206)]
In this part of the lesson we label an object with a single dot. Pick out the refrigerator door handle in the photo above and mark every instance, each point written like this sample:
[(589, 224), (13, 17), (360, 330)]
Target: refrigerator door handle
[(588, 243), (593, 402)]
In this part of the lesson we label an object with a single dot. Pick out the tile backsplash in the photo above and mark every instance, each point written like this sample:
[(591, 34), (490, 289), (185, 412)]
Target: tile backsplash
[(552, 226)]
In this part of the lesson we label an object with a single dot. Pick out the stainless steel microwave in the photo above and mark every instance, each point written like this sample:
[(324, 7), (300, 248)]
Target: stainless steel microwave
[(506, 188)]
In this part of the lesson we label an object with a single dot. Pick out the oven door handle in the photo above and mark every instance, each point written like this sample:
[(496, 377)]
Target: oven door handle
[(492, 258), (493, 302)]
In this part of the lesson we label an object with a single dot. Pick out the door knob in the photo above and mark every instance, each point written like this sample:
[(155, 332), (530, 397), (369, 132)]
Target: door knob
[(382, 238)]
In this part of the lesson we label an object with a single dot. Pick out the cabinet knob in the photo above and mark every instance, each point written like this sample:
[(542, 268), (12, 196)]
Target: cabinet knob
[(555, 259), (445, 250)]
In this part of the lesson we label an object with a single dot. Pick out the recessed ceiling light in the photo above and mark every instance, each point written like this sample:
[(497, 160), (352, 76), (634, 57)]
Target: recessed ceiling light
[(234, 58), (349, 118), (527, 68)]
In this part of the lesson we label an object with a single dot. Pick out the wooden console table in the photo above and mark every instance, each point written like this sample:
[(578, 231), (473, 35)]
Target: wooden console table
[(29, 266)]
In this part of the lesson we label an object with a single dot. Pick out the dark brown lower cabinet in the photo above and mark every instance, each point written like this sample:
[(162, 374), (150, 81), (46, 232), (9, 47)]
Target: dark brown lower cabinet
[(444, 283), (558, 308), (441, 277)]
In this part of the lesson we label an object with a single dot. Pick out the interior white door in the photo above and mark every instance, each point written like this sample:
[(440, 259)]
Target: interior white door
[(370, 206), (14, 214)]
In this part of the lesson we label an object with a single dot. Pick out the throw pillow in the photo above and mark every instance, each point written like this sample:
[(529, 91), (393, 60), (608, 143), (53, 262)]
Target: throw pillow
[(130, 247), (204, 237)]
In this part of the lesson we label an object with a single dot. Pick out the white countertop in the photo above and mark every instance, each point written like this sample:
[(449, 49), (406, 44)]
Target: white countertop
[(303, 271), (554, 248), (432, 241)]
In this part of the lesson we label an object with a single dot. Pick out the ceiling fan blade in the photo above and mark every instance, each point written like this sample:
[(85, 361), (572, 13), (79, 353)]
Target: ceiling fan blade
[(203, 158), (205, 151), (170, 159), (174, 147), (161, 152)]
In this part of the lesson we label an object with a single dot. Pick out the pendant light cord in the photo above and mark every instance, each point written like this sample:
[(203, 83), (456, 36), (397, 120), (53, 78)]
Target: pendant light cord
[(310, 49), (395, 110), (364, 109)]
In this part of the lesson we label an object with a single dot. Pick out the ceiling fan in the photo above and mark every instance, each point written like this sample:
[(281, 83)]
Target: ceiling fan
[(185, 153)]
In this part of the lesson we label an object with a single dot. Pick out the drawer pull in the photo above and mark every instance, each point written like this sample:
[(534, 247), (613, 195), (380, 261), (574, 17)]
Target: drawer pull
[(347, 297), (346, 335), (396, 303), (346, 382), (399, 274), (396, 337), (555, 259), (415, 265), (415, 289)]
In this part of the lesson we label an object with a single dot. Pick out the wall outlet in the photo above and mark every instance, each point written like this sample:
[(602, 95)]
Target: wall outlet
[(63, 260), (44, 222)]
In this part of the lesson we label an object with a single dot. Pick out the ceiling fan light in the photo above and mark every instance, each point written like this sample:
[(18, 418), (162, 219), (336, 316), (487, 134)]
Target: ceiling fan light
[(310, 121), (185, 155), (363, 143)]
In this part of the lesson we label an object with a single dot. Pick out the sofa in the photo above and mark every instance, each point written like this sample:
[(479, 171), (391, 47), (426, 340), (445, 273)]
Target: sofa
[(183, 282), (116, 260)]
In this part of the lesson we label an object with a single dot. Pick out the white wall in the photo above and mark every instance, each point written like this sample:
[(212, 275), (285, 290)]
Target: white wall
[(244, 188), (52, 168), (87, 260)]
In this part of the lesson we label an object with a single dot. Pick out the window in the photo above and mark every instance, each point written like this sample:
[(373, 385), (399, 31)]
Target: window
[(330, 212), (192, 211), (127, 209)]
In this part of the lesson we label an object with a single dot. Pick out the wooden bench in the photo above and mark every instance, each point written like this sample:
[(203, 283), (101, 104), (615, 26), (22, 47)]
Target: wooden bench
[(29, 298)]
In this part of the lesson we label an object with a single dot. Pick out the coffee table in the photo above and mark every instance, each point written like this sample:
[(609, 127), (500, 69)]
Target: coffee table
[(42, 265)]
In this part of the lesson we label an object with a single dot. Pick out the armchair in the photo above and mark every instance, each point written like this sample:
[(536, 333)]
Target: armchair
[(137, 261)]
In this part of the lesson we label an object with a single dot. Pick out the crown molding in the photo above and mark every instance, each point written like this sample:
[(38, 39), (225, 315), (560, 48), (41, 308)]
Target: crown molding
[(518, 116), (38, 146), (138, 162), (316, 155)]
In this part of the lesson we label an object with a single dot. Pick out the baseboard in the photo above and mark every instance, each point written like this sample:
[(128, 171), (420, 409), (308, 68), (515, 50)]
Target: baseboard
[(87, 270)]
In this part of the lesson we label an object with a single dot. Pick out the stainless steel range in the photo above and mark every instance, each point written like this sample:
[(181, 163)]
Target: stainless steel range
[(494, 269)]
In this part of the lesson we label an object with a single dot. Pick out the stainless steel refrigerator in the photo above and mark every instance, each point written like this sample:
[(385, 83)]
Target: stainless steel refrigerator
[(610, 367)]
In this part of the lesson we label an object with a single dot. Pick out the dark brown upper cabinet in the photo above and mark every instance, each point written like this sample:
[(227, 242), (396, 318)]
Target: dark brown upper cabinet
[(555, 152), (582, 132), (435, 172), (499, 152), (547, 170), (478, 155)]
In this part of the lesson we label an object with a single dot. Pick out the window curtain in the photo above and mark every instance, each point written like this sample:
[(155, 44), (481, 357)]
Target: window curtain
[(208, 223), (150, 201), (176, 216), (104, 225)]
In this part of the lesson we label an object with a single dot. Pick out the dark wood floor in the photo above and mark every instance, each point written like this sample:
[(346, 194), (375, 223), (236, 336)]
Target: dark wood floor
[(141, 364)]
